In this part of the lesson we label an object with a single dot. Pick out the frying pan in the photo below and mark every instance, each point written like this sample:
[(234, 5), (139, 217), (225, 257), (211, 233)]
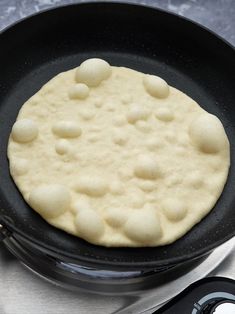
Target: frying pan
[(187, 56)]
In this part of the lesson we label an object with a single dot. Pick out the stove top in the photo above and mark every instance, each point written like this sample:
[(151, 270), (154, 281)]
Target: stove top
[(24, 293), (221, 262)]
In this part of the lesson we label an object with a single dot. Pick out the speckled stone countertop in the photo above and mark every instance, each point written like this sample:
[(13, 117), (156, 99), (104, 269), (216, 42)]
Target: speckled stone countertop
[(20, 291), (218, 15)]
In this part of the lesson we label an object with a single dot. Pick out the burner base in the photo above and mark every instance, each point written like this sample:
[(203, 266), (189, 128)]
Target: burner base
[(82, 278)]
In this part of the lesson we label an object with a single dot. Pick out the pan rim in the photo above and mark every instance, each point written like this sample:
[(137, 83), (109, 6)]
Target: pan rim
[(146, 264), (106, 262)]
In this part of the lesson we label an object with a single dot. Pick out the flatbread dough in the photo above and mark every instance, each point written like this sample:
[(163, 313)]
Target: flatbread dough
[(118, 157)]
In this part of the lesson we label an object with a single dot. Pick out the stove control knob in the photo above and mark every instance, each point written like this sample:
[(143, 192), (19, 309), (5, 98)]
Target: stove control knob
[(224, 307), (221, 306)]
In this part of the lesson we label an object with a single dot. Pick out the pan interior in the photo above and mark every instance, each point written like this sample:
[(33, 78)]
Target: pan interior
[(185, 55)]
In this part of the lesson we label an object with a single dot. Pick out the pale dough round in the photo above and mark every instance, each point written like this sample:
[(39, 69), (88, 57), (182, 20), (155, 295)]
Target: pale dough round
[(118, 157)]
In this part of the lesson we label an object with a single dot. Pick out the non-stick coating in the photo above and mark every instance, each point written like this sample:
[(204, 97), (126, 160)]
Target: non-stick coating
[(189, 57)]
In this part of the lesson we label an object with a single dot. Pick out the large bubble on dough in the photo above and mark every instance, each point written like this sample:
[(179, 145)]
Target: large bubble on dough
[(207, 133), (50, 200), (80, 204), (67, 129), (89, 225), (93, 71), (116, 187), (80, 91), (24, 131), (174, 209), (146, 167), (143, 227), (156, 86), (115, 217), (91, 185), (137, 113)]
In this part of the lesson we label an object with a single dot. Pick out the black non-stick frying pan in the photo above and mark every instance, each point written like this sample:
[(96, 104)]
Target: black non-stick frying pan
[(187, 56)]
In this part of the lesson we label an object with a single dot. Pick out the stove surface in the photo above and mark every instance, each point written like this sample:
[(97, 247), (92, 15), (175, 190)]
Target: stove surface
[(22, 292), (220, 262)]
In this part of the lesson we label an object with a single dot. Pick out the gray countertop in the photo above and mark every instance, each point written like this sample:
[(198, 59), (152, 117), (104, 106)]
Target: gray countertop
[(218, 15), (22, 292)]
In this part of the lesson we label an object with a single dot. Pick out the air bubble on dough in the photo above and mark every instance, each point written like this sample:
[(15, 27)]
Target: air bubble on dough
[(87, 114), (116, 187), (62, 147), (137, 113), (19, 167), (93, 138), (98, 103), (207, 133), (143, 126), (119, 120), (147, 186), (125, 173), (119, 137), (173, 179), (24, 131), (89, 225), (111, 107), (50, 200), (174, 209), (216, 164), (92, 186), (93, 71), (143, 227), (154, 143), (164, 114), (80, 91), (95, 128), (147, 168), (80, 204), (67, 129), (136, 199), (115, 217), (171, 137), (156, 86), (195, 180), (126, 99)]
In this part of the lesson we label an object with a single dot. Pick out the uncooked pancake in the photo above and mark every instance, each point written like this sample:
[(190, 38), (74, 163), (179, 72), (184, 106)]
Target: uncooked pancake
[(118, 157)]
